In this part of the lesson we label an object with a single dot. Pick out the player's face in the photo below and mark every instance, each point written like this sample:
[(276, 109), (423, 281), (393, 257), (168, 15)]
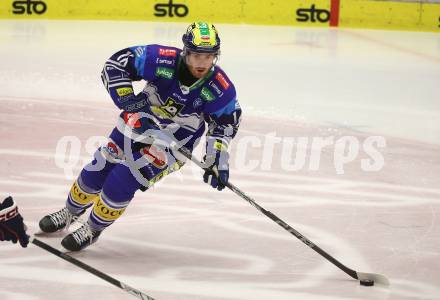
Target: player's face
[(199, 63)]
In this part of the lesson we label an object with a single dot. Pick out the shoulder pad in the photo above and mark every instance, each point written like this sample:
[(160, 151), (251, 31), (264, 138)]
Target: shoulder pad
[(217, 91), (155, 61), (163, 60)]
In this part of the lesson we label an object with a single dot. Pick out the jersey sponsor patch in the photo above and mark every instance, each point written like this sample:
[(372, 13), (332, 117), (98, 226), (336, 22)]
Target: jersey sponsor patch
[(165, 61), (112, 149), (197, 103), (222, 80), (132, 120), (164, 72), (206, 94), (167, 52), (155, 155), (216, 88), (112, 152), (169, 110), (124, 91)]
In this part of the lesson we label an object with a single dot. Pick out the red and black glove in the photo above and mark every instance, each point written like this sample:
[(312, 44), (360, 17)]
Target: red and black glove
[(12, 227)]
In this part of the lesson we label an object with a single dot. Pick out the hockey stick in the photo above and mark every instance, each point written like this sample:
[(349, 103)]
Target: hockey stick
[(378, 278), (90, 269)]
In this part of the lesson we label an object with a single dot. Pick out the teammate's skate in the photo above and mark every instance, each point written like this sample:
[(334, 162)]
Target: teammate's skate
[(58, 220), (80, 238)]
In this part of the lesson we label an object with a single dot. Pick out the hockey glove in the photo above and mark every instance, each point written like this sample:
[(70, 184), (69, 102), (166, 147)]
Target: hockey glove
[(12, 227), (217, 165)]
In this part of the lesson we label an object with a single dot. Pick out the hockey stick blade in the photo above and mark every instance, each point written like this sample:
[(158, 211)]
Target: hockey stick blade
[(352, 273), (80, 264), (378, 278)]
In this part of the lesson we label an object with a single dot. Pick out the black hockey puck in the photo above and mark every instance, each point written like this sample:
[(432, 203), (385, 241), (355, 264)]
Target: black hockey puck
[(367, 282)]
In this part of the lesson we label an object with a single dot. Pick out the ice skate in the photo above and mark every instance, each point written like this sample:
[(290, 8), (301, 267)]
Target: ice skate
[(80, 238), (58, 220)]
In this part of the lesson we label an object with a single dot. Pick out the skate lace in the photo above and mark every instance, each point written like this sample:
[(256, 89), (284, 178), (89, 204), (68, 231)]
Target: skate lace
[(62, 217), (83, 234)]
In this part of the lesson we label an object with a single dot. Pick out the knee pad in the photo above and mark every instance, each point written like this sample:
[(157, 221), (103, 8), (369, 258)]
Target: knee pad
[(120, 185), (105, 159)]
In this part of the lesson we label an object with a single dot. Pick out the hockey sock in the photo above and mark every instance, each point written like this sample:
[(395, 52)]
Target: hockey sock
[(105, 212), (80, 197)]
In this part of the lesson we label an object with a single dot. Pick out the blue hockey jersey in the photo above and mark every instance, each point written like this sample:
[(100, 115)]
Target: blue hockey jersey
[(170, 104)]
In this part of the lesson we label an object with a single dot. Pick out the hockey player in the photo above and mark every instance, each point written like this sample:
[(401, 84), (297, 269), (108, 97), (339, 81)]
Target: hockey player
[(12, 227), (184, 90)]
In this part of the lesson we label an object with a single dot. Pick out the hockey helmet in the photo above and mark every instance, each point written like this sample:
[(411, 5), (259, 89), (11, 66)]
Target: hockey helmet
[(201, 37)]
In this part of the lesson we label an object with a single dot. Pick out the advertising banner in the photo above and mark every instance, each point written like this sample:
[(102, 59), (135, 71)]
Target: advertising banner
[(406, 15)]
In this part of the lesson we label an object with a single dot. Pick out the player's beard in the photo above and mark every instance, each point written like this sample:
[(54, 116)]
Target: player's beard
[(198, 72)]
